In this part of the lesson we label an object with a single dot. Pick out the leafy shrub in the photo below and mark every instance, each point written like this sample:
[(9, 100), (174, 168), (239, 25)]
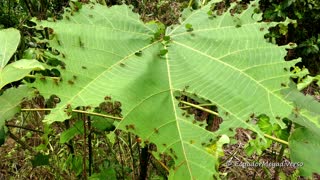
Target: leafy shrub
[(142, 73), (304, 33)]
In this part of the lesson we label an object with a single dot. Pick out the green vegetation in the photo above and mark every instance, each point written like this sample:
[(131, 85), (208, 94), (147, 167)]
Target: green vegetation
[(159, 90)]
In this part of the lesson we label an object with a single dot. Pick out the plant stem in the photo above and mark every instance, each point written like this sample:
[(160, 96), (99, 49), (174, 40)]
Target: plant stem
[(276, 139), (144, 161), (70, 143), (22, 127), (84, 147), (120, 154), (279, 157), (49, 77), (132, 156), (201, 108), (190, 3), (203, 2), (90, 146), (202, 105), (78, 111), (23, 144)]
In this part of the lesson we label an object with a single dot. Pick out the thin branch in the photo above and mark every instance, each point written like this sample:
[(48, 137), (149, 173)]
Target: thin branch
[(202, 105), (23, 144), (78, 111), (22, 127), (90, 145), (120, 155), (97, 114), (190, 3), (276, 139), (49, 77), (201, 108), (161, 163), (83, 116), (28, 7), (132, 156)]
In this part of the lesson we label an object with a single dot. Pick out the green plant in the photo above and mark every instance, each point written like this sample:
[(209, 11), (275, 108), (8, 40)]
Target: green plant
[(304, 33), (218, 59), (11, 98)]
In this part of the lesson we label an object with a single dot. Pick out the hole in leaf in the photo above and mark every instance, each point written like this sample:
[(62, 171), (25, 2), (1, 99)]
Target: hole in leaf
[(163, 52), (52, 101), (139, 53), (70, 82), (283, 85), (130, 126), (202, 110), (81, 44), (113, 108), (156, 130), (56, 81)]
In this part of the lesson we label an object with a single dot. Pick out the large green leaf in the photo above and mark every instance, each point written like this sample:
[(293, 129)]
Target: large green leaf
[(226, 60), (9, 39)]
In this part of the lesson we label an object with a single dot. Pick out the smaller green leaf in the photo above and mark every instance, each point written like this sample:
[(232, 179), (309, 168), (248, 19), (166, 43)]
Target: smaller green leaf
[(9, 39), (102, 124), (188, 26), (40, 160), (10, 102), (73, 131), (283, 29), (109, 173), (75, 5), (18, 70), (305, 82), (74, 162), (264, 124), (216, 149), (30, 53), (68, 109)]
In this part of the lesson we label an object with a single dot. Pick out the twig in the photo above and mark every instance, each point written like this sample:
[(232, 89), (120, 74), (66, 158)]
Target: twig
[(190, 3), (120, 155), (78, 111), (144, 160), (201, 108), (276, 139), (23, 144), (90, 146), (84, 147), (22, 127), (132, 156)]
